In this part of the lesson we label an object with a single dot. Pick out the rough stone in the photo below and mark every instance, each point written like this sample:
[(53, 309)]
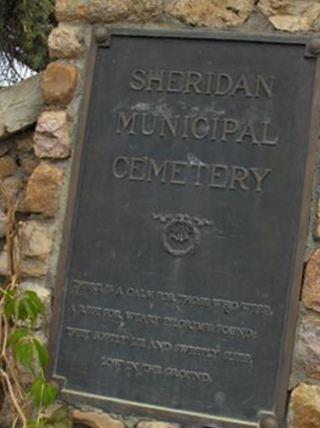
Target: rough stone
[(308, 347), (95, 420), (51, 136), (36, 238), (24, 143), (311, 287), (8, 166), (292, 15), (305, 407), (20, 105), (33, 267), (94, 10), (29, 266), (216, 13), (155, 424), (13, 186), (43, 188), (317, 227), (65, 41), (107, 10), (59, 82), (145, 9), (28, 163)]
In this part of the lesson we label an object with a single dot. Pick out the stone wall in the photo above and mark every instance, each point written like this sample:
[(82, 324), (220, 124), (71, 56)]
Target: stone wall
[(35, 165)]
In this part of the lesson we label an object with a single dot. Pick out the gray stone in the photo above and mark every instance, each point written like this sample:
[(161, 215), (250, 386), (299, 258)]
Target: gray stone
[(35, 238), (20, 106)]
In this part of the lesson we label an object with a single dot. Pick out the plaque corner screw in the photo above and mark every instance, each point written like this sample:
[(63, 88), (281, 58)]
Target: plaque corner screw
[(313, 46), (269, 422), (101, 34)]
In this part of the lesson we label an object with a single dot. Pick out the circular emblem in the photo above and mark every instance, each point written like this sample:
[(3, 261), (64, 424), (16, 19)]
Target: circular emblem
[(180, 236)]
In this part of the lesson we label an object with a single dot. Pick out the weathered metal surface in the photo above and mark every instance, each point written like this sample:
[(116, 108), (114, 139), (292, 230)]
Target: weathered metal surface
[(184, 245)]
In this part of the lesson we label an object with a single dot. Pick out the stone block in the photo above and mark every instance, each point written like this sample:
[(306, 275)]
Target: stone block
[(65, 41), (93, 11), (33, 267), (311, 286), (8, 166), (43, 189), (12, 187), (51, 137), (211, 13), (35, 238), (308, 348), (107, 10), (59, 83), (292, 15), (20, 105), (305, 407)]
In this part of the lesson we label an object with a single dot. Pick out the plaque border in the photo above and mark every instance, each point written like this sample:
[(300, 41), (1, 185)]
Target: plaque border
[(101, 37)]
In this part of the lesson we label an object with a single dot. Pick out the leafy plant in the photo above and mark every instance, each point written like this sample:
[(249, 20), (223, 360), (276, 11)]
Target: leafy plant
[(20, 348), (24, 28)]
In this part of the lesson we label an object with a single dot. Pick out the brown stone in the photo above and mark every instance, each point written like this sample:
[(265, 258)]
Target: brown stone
[(292, 15), (317, 228), (51, 137), (28, 163), (59, 82), (95, 420), (24, 142), (94, 10), (215, 13), (311, 286), (308, 348), (43, 189), (107, 10), (145, 9), (8, 166), (35, 238), (12, 186), (305, 407), (65, 41), (156, 424)]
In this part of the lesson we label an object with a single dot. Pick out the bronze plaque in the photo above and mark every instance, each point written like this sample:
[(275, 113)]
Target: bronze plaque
[(183, 252)]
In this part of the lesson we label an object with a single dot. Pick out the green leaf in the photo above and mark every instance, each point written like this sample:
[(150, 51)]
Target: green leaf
[(43, 393), (30, 305), (16, 336), (25, 353), (26, 306), (42, 352)]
